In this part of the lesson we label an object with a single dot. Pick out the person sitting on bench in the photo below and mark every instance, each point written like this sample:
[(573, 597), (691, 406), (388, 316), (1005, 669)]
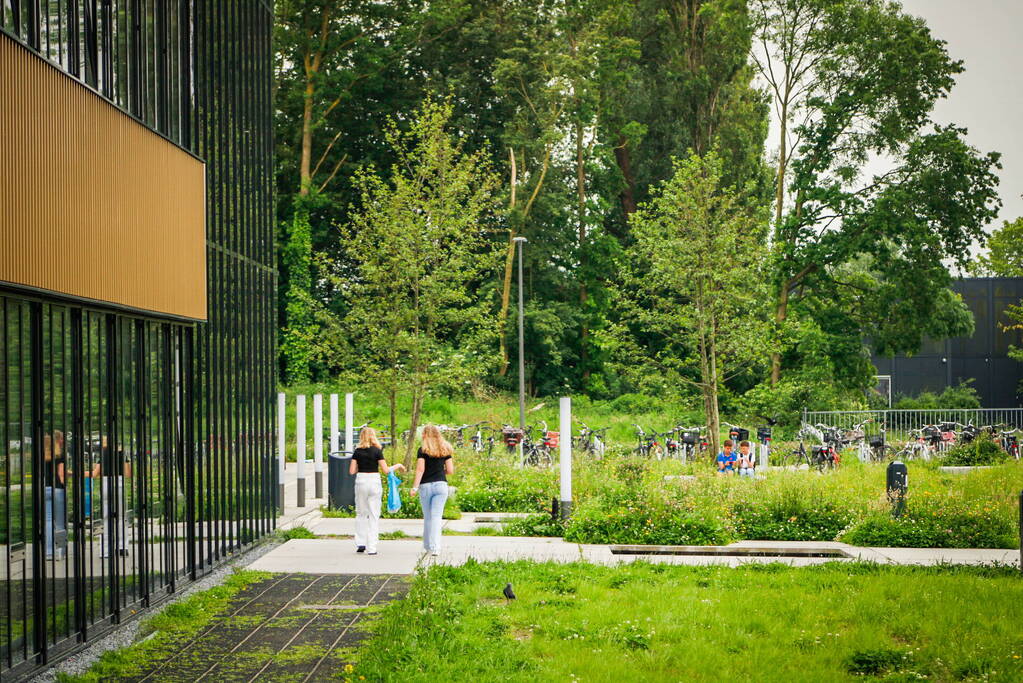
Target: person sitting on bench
[(726, 458), (747, 461)]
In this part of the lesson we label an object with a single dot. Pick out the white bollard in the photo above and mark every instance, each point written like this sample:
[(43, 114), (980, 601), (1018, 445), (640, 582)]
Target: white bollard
[(282, 446), (300, 442), (349, 423), (565, 504), (333, 424), (318, 445)]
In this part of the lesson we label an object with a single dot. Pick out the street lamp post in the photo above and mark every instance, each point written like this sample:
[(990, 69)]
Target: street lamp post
[(522, 362)]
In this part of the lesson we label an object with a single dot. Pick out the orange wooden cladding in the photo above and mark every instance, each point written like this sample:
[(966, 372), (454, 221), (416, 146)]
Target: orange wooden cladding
[(92, 203)]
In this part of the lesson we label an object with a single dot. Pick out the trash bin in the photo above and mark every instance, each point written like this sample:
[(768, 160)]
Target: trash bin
[(340, 484)]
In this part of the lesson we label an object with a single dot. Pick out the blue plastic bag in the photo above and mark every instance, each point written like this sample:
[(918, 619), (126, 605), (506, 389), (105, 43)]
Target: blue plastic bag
[(393, 497)]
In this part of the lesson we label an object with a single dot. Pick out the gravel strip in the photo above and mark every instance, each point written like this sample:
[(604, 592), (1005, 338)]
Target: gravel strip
[(127, 633)]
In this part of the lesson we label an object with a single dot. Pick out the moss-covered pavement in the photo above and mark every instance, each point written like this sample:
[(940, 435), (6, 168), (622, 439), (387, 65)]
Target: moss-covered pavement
[(288, 627)]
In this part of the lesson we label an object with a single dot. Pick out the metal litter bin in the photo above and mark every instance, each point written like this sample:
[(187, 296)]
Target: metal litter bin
[(340, 484)]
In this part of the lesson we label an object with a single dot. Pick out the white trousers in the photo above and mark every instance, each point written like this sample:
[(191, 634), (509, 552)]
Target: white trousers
[(368, 493), (108, 509)]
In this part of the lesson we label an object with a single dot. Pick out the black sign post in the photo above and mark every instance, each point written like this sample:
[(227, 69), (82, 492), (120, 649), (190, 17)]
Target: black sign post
[(898, 484)]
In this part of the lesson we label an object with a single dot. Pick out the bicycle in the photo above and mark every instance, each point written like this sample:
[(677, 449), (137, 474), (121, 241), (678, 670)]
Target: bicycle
[(539, 454), (480, 444), (648, 444), (672, 446), (1009, 442), (799, 455), (737, 434), (693, 442), (591, 440), (915, 447), (512, 437), (879, 449)]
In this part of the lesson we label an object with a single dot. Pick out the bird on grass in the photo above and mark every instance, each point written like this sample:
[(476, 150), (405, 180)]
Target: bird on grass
[(508, 592)]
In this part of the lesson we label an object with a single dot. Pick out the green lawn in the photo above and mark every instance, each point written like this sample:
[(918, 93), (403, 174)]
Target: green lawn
[(665, 623)]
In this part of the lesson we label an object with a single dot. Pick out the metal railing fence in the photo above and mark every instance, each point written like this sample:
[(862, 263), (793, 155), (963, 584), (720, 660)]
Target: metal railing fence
[(899, 423)]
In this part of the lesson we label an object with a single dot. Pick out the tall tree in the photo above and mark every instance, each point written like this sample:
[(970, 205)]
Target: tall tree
[(696, 260), (852, 81), (419, 246), (337, 67)]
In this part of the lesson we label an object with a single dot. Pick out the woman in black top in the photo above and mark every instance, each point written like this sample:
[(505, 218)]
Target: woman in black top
[(367, 464), (55, 493), (433, 464)]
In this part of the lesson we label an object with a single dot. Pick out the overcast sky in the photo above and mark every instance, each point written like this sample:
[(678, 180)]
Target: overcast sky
[(987, 98)]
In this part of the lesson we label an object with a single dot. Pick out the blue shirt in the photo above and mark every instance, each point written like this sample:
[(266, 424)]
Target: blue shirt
[(728, 460)]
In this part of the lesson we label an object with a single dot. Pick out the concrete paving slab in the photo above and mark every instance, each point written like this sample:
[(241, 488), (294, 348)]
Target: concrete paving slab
[(724, 560), (331, 556), (345, 526), (931, 556)]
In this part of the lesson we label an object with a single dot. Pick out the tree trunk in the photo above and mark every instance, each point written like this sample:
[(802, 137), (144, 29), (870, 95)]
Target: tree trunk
[(779, 195), (392, 404), (714, 419), (410, 445), (580, 185), (709, 396), (624, 159), (781, 311), (502, 317)]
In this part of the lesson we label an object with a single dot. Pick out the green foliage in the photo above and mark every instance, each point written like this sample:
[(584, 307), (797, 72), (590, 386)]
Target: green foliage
[(979, 452), (175, 624), (1004, 256), (298, 330), (295, 532), (534, 525), (961, 396), (935, 519), (877, 662), (854, 80), (829, 622), (709, 305)]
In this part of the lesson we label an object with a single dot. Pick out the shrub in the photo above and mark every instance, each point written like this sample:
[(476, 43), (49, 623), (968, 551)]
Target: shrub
[(296, 532), (979, 452), (877, 662), (659, 525), (534, 525), (636, 403), (793, 520), (962, 396), (947, 523)]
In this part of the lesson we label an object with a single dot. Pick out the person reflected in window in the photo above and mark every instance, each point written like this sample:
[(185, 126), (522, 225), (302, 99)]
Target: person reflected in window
[(112, 477), (367, 465), (55, 501), (433, 464)]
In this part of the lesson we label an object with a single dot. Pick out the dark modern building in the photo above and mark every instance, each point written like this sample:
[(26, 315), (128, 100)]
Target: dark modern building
[(137, 311), (982, 358)]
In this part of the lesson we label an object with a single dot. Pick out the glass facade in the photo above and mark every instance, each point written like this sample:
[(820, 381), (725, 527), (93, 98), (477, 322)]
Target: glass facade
[(136, 451)]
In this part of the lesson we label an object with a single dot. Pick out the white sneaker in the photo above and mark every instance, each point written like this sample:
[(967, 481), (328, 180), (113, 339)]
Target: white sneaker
[(434, 553)]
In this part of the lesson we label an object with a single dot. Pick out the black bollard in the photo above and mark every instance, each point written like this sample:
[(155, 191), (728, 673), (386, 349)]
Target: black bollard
[(897, 485), (555, 512)]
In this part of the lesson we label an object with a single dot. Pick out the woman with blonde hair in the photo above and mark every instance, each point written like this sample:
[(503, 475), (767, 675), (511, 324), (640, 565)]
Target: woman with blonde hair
[(433, 464), (367, 464)]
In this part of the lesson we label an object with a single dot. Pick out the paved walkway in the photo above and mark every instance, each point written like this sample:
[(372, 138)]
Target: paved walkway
[(404, 556), (290, 627)]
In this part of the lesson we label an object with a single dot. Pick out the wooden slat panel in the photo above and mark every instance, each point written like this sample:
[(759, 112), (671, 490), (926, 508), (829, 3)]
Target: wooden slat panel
[(92, 203)]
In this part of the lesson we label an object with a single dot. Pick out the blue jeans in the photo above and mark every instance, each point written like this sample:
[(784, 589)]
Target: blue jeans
[(432, 497), (747, 472), (56, 518)]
